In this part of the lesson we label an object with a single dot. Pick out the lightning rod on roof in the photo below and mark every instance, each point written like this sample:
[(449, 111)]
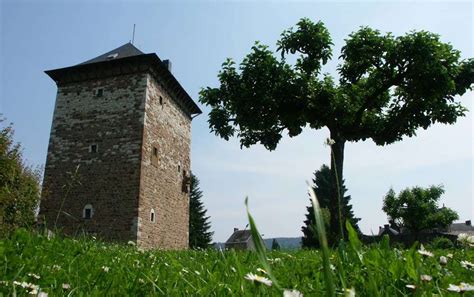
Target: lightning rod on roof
[(133, 35)]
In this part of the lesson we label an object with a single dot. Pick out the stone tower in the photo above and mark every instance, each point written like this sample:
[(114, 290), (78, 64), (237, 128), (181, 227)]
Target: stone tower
[(118, 161)]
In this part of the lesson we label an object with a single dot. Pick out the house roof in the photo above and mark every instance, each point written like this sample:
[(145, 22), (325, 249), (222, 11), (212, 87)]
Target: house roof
[(239, 236), (460, 228), (126, 50), (126, 59)]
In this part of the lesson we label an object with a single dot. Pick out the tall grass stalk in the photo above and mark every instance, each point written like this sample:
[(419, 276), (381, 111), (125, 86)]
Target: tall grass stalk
[(260, 247), (318, 218)]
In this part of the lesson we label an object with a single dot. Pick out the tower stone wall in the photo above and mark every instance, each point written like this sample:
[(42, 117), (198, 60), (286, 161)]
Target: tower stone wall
[(164, 188), (108, 179)]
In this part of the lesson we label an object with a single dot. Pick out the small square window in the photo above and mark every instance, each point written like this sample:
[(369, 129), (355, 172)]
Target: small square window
[(99, 92), (93, 148)]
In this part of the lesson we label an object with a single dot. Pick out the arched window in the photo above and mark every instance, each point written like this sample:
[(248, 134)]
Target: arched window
[(88, 211), (152, 215)]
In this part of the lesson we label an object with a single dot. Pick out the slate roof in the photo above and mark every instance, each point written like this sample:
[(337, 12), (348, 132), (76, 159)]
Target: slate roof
[(120, 59), (126, 50), (240, 236)]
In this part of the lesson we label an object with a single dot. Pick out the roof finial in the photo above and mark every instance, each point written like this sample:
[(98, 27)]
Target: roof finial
[(133, 35)]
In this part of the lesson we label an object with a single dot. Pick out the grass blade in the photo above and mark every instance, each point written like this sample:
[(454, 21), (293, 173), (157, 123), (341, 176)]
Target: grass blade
[(318, 218)]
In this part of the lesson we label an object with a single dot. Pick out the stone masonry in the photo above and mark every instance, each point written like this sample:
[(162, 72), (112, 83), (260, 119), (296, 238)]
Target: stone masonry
[(118, 161)]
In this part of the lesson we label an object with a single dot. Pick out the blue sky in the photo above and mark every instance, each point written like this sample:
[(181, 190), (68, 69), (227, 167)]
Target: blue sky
[(197, 37)]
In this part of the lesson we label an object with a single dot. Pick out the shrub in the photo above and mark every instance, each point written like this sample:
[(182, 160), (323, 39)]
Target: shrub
[(442, 243), (19, 185)]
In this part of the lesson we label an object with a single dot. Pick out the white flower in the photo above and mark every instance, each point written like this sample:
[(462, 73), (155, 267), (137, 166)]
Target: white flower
[(42, 294), (443, 260), (350, 292), (233, 269), (425, 277), (141, 281), (132, 243), (413, 287), (467, 265), (292, 293), (66, 286), (424, 252), (34, 275), (466, 239), (329, 141), (262, 270), (105, 268), (461, 288), (256, 278), (276, 260), (450, 256)]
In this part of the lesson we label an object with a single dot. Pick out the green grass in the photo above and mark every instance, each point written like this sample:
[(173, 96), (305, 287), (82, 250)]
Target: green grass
[(372, 271)]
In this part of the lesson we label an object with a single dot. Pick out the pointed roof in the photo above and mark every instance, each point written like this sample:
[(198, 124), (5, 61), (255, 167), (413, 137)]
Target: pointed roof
[(124, 51), (239, 236), (126, 59)]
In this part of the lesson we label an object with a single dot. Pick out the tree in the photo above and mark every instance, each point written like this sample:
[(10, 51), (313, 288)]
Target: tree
[(199, 225), (387, 88), (275, 245), (416, 209), (19, 186), (322, 187)]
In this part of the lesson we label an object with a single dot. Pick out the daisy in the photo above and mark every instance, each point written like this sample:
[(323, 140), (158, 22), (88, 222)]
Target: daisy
[(262, 270), (425, 277), (34, 275), (467, 265), (443, 260), (413, 287), (463, 287), (256, 278), (66, 286), (424, 252), (292, 293), (105, 268)]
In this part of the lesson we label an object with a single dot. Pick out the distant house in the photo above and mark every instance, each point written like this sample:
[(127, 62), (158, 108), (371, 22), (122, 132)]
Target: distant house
[(458, 228), (387, 230), (240, 240)]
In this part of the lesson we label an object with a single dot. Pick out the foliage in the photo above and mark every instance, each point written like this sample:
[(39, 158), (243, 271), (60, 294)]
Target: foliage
[(387, 88), (275, 245), (416, 209), (322, 187), (19, 185), (199, 225), (441, 243), (81, 263)]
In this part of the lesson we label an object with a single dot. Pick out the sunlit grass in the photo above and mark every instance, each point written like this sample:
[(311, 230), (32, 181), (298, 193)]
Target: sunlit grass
[(75, 267)]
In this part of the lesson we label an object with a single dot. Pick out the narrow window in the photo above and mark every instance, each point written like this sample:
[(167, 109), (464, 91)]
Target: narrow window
[(154, 156), (93, 148), (87, 212), (161, 100), (152, 215), (99, 92)]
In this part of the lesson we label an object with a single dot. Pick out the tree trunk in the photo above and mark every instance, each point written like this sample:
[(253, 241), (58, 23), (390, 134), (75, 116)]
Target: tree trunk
[(337, 163)]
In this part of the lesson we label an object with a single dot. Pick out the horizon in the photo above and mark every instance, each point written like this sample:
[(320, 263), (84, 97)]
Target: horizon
[(198, 37)]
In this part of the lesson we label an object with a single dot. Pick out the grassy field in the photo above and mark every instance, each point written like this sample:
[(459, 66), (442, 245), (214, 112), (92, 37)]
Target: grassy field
[(85, 267)]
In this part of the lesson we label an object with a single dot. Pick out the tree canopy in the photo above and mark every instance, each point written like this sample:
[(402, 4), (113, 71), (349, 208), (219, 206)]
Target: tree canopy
[(19, 185), (322, 187), (386, 87), (199, 225), (416, 209)]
